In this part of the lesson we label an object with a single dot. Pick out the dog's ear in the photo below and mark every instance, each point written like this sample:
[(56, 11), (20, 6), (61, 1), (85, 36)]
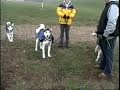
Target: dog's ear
[(8, 23), (47, 29), (12, 24)]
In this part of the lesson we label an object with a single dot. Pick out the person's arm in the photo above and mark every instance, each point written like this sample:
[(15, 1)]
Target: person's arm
[(72, 13), (59, 11), (112, 14)]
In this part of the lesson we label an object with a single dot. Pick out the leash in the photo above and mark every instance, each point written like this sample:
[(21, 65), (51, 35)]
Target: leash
[(84, 85), (108, 43), (57, 39)]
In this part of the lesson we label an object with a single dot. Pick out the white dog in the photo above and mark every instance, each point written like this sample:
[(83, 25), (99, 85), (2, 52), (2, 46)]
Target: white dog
[(44, 36), (9, 31), (97, 49)]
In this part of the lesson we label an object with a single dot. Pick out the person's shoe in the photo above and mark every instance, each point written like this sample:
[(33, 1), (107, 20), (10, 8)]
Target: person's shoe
[(102, 76)]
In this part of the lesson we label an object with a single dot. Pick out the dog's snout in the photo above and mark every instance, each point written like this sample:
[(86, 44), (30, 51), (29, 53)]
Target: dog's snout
[(49, 37), (10, 28), (94, 34)]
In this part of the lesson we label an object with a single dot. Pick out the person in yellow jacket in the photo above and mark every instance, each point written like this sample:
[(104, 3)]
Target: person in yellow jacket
[(66, 12)]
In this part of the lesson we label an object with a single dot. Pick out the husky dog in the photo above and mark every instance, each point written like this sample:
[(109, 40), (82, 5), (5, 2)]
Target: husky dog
[(9, 31), (97, 49), (45, 37)]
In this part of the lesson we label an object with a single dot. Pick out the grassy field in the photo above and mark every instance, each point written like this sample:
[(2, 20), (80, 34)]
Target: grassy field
[(68, 69), (57, 73), (88, 12)]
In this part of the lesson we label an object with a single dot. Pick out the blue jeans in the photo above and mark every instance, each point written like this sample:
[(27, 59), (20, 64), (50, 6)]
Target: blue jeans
[(107, 47)]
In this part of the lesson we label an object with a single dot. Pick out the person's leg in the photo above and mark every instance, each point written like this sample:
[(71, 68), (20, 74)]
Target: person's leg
[(103, 59), (67, 35), (108, 54), (61, 35)]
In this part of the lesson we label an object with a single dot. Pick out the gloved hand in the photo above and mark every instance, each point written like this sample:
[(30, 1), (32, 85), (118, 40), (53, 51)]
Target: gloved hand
[(67, 17), (64, 16), (100, 39)]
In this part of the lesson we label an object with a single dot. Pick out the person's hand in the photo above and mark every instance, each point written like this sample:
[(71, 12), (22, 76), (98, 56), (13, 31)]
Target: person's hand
[(67, 17), (64, 16), (100, 39)]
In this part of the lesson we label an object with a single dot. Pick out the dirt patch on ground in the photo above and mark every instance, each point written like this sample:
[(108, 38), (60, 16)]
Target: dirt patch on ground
[(77, 34)]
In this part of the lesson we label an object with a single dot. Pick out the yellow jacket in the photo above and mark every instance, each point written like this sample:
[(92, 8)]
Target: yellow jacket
[(63, 10)]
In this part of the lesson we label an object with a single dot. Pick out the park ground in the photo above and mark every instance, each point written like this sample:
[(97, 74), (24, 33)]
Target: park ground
[(69, 69)]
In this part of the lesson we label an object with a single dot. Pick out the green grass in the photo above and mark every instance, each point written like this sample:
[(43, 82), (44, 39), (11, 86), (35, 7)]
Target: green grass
[(88, 12), (66, 66), (68, 69)]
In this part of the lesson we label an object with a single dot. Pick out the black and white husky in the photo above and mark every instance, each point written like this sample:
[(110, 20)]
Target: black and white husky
[(44, 36), (9, 31)]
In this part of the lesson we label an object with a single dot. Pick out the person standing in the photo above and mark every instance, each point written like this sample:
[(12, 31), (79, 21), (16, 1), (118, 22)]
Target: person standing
[(66, 12), (107, 32)]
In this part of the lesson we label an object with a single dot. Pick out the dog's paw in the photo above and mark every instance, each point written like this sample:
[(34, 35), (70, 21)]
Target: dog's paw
[(11, 40), (49, 56), (35, 49), (43, 57), (96, 60)]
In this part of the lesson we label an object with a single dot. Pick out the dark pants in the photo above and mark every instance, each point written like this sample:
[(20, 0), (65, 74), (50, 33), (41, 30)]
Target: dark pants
[(108, 55), (64, 29)]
